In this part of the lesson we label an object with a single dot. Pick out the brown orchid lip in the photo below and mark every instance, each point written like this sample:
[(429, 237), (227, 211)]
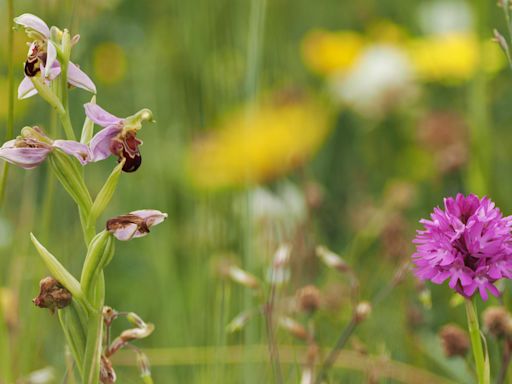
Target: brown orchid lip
[(123, 221)]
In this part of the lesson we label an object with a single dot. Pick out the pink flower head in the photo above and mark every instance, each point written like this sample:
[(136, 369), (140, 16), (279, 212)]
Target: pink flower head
[(119, 136), (469, 243), (42, 57), (135, 224), (32, 147)]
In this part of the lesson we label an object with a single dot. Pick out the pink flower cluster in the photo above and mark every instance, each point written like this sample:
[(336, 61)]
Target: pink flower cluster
[(468, 243)]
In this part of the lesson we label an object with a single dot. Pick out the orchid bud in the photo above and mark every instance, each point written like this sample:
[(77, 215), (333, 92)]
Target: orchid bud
[(99, 254), (135, 224), (52, 295)]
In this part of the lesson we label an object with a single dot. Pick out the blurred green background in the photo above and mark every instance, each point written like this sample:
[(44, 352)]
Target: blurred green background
[(335, 148)]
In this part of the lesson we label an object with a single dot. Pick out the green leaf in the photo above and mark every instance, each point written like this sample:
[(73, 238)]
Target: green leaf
[(74, 332)]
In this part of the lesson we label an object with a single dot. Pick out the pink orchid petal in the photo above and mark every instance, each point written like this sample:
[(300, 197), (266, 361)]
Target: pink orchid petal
[(79, 79), (73, 148), (100, 116), (24, 157), (26, 89), (152, 216), (125, 233), (100, 143), (51, 57), (29, 21)]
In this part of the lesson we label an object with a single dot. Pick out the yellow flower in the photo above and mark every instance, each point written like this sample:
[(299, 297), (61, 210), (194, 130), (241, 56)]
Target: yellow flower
[(258, 143), (326, 52), (453, 58), (109, 63)]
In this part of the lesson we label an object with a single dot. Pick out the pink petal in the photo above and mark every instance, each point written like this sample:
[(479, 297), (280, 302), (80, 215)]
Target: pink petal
[(51, 57), (79, 79), (73, 148), (24, 157), (33, 22), (26, 89), (100, 143), (152, 216), (126, 232), (100, 116)]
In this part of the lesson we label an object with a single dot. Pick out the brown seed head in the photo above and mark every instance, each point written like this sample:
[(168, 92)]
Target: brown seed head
[(52, 295), (308, 298), (107, 373), (455, 340), (497, 321)]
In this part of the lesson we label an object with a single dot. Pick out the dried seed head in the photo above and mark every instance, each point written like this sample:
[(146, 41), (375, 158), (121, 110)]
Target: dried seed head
[(497, 321), (107, 373), (362, 311), (455, 340), (52, 295), (308, 299)]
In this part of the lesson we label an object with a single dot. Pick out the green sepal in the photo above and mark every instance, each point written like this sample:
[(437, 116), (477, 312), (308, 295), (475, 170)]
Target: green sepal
[(99, 254), (88, 127)]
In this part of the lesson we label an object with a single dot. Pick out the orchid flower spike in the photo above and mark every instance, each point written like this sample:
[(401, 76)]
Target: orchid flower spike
[(32, 147), (118, 137), (42, 57), (135, 224)]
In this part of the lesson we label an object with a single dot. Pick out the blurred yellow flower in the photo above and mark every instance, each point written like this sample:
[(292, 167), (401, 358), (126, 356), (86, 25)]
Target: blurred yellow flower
[(259, 142), (326, 52), (109, 63), (453, 58)]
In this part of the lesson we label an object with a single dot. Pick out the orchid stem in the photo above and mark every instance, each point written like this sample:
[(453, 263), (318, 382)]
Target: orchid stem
[(476, 342)]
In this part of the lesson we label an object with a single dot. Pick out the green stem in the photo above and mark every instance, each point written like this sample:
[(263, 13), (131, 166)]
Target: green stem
[(476, 343), (10, 92)]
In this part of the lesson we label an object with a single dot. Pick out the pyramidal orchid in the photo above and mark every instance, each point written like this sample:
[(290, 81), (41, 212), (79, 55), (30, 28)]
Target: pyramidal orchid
[(118, 136), (468, 243), (43, 55)]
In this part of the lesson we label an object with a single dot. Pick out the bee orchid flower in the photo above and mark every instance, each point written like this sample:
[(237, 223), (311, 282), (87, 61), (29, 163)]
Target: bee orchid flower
[(135, 224), (118, 136), (42, 58), (32, 147)]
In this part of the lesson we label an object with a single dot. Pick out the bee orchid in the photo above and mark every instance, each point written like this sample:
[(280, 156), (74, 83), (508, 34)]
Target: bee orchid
[(32, 147), (42, 58), (135, 224), (118, 136)]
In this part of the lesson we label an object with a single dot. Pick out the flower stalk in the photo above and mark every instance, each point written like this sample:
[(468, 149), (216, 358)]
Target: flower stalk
[(481, 361)]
